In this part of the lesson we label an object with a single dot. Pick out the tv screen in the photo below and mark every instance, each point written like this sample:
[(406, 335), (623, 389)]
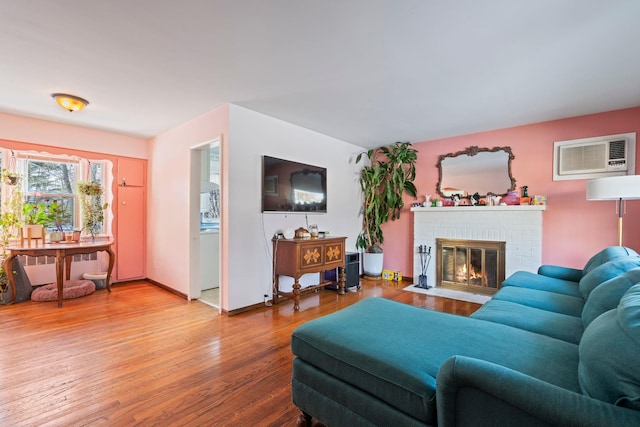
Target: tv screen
[(293, 187)]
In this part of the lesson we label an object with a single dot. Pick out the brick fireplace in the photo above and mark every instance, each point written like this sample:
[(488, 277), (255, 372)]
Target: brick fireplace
[(518, 228)]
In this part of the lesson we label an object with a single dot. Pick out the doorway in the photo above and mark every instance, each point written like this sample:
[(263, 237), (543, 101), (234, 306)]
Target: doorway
[(205, 217)]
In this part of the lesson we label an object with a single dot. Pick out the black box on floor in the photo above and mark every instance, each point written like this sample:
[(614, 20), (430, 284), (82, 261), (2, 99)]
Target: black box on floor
[(352, 270)]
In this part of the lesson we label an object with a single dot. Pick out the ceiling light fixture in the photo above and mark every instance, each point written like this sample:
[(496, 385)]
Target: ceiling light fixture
[(70, 102)]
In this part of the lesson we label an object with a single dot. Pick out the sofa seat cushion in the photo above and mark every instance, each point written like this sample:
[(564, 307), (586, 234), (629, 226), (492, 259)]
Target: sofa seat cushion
[(554, 325), (394, 351), (607, 271), (550, 301), (527, 279), (609, 369), (607, 296)]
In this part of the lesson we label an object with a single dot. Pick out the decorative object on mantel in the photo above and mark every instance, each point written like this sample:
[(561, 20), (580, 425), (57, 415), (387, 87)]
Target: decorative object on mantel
[(539, 200), (482, 170), (511, 198), (524, 198), (618, 188), (389, 174)]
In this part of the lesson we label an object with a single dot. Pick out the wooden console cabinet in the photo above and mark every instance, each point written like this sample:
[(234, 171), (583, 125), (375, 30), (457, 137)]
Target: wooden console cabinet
[(295, 257)]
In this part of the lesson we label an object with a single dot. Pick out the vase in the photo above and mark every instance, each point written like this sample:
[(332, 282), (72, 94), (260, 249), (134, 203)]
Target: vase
[(372, 264)]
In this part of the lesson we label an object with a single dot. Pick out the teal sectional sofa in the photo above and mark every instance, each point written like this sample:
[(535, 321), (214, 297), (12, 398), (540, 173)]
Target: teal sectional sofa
[(561, 347)]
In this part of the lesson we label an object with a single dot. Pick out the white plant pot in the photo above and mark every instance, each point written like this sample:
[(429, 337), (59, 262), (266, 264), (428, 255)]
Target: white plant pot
[(372, 264), (56, 236)]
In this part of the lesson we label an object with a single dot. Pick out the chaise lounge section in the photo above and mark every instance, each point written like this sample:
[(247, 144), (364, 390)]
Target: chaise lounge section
[(553, 359)]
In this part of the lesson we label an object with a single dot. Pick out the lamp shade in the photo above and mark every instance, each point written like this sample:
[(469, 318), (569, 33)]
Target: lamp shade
[(626, 187)]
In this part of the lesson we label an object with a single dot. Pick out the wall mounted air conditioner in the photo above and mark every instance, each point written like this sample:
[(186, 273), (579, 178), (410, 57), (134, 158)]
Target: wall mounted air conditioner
[(596, 157)]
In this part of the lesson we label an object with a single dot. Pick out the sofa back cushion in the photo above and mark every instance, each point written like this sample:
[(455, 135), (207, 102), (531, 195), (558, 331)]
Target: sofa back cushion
[(609, 369), (607, 296), (607, 271), (606, 255)]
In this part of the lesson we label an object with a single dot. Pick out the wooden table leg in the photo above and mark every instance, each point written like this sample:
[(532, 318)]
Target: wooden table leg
[(60, 267), (67, 266), (110, 269), (8, 271)]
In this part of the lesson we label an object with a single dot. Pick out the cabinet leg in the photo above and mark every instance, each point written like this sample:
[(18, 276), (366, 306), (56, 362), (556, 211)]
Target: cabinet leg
[(296, 295), (343, 280)]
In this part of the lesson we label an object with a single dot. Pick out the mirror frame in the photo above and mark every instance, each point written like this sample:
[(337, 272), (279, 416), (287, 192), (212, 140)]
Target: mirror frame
[(472, 151)]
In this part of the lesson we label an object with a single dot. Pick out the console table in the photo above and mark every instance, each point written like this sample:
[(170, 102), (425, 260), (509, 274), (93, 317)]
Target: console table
[(295, 257), (64, 253)]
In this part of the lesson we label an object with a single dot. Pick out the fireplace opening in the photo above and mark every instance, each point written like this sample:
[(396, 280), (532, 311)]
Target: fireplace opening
[(470, 265)]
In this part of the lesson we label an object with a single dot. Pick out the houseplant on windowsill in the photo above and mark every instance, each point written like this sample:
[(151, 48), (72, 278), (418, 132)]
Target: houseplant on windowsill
[(57, 211), (384, 180), (90, 194), (36, 219)]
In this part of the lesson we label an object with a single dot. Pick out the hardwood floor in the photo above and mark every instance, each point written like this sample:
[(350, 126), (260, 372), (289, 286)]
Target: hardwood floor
[(143, 356)]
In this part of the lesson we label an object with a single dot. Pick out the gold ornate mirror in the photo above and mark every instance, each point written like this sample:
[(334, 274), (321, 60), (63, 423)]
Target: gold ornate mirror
[(476, 170)]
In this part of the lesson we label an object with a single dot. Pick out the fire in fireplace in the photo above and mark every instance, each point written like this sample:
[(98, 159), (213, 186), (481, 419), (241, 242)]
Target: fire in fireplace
[(470, 265)]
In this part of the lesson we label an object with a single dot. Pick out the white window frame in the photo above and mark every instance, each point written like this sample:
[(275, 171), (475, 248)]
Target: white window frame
[(81, 173)]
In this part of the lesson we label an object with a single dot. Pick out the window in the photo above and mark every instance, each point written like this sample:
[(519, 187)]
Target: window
[(45, 181), (50, 178)]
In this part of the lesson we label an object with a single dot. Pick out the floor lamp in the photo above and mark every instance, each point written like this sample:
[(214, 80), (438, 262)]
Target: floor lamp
[(618, 188)]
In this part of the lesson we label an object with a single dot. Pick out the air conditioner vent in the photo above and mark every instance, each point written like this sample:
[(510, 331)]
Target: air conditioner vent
[(617, 149), (594, 157)]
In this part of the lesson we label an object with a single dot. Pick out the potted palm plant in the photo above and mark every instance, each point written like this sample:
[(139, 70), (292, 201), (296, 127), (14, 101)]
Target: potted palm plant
[(389, 174)]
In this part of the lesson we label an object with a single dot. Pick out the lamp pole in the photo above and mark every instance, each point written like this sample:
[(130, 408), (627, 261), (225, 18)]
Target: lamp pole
[(620, 221)]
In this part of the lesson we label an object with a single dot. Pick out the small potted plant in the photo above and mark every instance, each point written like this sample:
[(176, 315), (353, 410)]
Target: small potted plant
[(57, 211), (36, 219), (10, 178)]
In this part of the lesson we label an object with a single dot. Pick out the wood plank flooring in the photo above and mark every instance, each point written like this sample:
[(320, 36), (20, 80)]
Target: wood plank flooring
[(141, 356)]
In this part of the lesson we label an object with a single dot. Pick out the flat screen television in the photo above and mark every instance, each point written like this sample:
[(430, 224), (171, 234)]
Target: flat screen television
[(293, 187)]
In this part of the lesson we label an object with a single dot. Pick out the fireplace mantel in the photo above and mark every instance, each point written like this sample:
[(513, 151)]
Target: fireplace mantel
[(479, 209), (519, 226)]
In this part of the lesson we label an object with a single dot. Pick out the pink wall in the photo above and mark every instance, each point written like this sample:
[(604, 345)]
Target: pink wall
[(573, 228)]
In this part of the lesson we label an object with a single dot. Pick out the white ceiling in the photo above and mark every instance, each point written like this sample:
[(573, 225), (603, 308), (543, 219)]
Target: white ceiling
[(368, 72)]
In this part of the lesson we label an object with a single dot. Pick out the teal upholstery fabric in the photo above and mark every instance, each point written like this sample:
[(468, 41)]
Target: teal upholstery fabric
[(555, 325), (475, 393), (607, 296), (574, 274), (338, 403), (557, 303), (394, 351), (526, 279), (607, 271), (609, 367), (558, 272), (606, 255)]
